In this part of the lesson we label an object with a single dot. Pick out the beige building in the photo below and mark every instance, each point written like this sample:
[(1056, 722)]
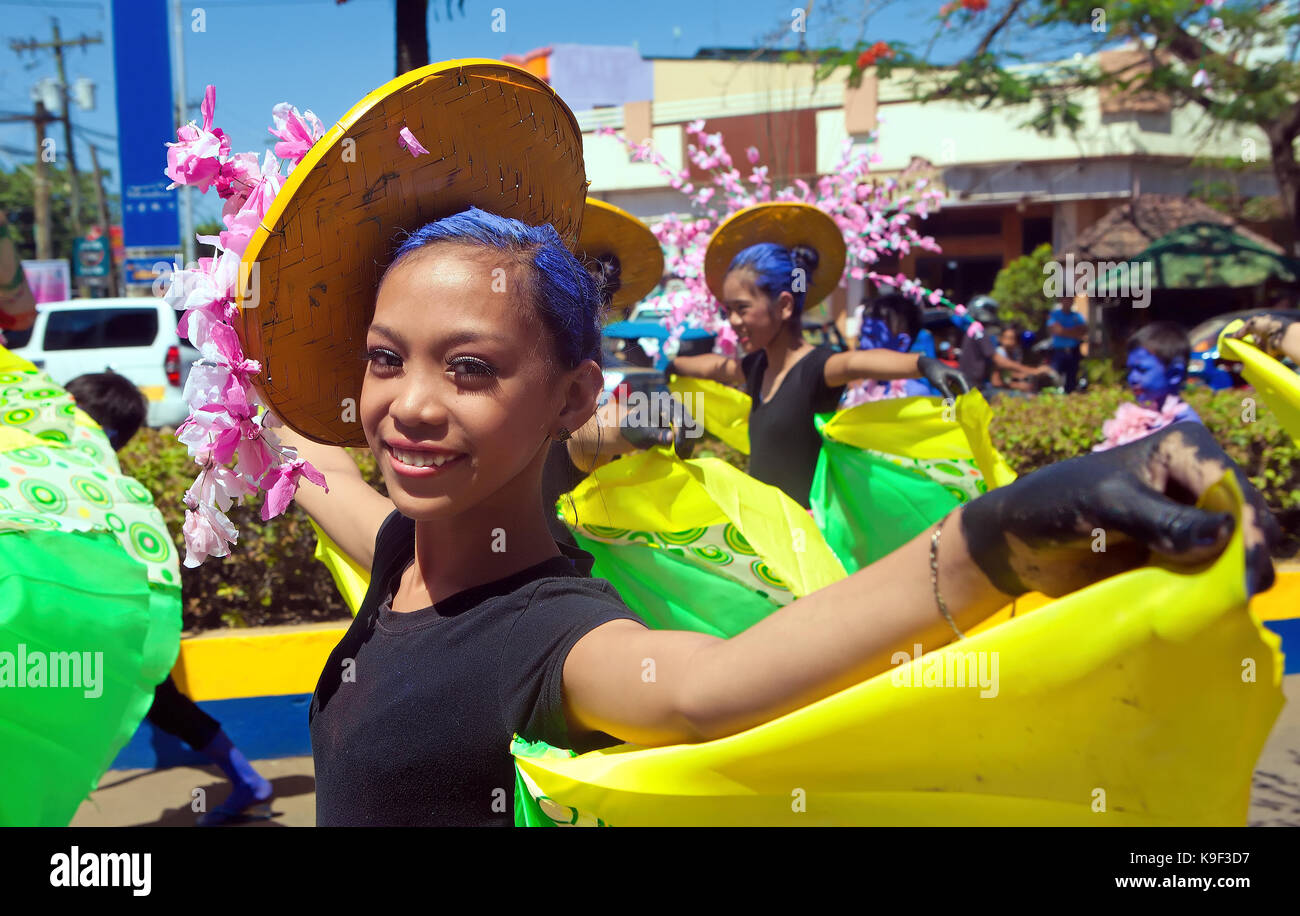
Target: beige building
[(1009, 188)]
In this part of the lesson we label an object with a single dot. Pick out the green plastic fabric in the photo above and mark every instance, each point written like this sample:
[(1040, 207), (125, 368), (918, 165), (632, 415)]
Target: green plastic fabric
[(74, 592), (86, 565), (868, 506)]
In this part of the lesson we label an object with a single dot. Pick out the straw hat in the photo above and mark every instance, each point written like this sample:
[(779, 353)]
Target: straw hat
[(498, 138), (787, 224), (607, 229)]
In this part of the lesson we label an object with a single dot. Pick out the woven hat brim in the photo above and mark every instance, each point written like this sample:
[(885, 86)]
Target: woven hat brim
[(784, 223), (498, 138), (607, 229)]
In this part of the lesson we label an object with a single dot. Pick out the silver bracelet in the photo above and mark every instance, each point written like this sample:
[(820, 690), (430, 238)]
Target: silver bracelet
[(934, 579)]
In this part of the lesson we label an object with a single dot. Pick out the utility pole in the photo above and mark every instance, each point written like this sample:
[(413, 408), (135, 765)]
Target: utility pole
[(57, 46), (41, 188), (101, 204), (177, 17)]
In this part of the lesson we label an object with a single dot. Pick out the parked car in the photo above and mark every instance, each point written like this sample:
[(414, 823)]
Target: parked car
[(1205, 365), (136, 338)]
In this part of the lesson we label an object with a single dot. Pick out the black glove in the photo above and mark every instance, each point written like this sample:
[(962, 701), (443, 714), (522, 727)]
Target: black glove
[(1038, 533), (948, 380), (665, 425)]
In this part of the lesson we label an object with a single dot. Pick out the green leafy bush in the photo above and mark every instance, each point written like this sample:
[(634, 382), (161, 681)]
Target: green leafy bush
[(1019, 289), (272, 576), (1033, 432)]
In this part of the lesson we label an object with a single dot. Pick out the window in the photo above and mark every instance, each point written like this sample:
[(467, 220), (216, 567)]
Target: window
[(88, 329)]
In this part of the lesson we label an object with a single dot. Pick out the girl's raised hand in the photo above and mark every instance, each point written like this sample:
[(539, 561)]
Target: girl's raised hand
[(1044, 531)]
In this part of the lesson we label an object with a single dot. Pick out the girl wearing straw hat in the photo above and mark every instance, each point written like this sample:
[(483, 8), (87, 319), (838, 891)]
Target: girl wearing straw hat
[(763, 264), (626, 262), (474, 345)]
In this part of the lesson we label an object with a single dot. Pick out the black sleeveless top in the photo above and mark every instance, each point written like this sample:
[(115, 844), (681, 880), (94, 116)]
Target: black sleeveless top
[(783, 443)]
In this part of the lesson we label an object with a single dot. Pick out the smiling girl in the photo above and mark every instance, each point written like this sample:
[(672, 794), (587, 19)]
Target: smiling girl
[(764, 285), (478, 626), (478, 344)]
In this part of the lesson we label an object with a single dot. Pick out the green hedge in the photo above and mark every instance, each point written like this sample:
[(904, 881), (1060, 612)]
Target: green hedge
[(1032, 432), (272, 576)]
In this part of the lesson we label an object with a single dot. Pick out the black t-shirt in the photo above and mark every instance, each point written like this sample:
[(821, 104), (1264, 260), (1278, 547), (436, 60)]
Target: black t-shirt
[(976, 361), (415, 730), (783, 442)]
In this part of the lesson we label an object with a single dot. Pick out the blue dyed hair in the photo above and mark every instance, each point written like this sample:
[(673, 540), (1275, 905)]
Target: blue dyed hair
[(567, 299), (774, 265)]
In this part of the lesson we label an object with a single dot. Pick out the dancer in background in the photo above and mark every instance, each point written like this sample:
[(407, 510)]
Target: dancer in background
[(763, 264), (116, 404)]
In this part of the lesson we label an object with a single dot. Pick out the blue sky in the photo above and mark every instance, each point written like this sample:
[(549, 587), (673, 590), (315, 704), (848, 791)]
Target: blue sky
[(320, 55)]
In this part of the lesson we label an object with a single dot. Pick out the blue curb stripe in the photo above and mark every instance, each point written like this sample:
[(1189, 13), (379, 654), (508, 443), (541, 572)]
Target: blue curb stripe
[(261, 727)]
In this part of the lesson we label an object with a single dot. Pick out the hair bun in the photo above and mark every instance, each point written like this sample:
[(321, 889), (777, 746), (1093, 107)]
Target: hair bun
[(607, 271), (805, 257)]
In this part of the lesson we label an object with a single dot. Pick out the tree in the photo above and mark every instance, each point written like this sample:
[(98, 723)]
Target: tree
[(1236, 62), (413, 31), (17, 198), (1019, 292)]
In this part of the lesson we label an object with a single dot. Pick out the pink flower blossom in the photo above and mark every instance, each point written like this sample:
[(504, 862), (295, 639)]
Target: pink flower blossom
[(1133, 421), (192, 160), (297, 132), (208, 533), (411, 145), (752, 153), (281, 482)]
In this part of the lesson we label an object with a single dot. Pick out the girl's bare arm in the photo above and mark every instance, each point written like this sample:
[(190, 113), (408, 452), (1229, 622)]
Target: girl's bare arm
[(713, 366), (351, 512), (661, 687)]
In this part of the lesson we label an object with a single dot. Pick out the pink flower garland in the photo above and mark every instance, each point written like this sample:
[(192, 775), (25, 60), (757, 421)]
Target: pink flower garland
[(227, 423), (875, 220), (1133, 421)]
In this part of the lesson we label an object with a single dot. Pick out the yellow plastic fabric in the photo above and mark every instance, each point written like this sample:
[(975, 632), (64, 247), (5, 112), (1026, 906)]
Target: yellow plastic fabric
[(351, 580), (723, 410), (654, 491), (1276, 384), (925, 428), (1141, 700)]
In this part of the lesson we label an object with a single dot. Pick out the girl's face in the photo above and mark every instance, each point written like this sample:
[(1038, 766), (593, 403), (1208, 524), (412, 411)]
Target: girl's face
[(459, 393), (1150, 380), (1009, 339), (755, 318)]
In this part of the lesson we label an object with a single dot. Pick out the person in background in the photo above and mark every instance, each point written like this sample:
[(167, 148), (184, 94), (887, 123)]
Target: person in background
[(1008, 381), (1274, 334), (1068, 329), (1157, 369), (979, 351), (762, 265), (888, 322), (116, 404), (17, 304)]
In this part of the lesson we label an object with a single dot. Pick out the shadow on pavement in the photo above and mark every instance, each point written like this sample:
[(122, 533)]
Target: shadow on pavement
[(184, 816)]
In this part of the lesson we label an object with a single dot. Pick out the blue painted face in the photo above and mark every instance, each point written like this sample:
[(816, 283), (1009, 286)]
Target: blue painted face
[(875, 335), (1150, 380)]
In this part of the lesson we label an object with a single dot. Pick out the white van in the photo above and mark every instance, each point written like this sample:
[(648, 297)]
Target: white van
[(132, 337)]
